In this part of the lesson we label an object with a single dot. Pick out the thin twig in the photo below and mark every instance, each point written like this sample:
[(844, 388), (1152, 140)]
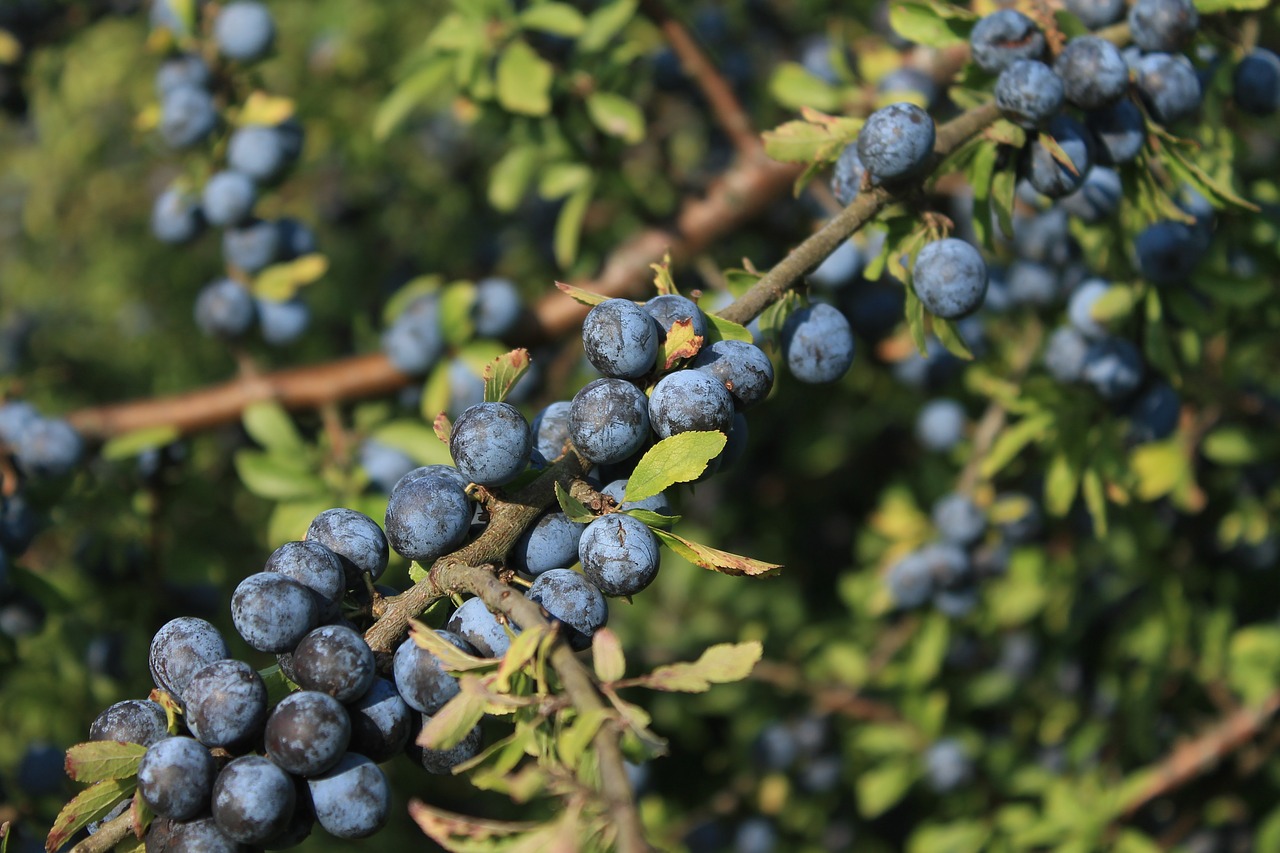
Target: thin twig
[(725, 107), (108, 835)]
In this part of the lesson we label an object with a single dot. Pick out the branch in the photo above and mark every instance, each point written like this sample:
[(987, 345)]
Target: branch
[(108, 835), (726, 108), (1199, 755), (784, 276)]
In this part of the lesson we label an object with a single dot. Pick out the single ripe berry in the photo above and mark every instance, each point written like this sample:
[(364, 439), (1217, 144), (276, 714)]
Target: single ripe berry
[(1004, 37), (619, 554), (817, 344), (621, 339), (490, 443), (896, 142), (1093, 72), (1029, 93), (950, 278)]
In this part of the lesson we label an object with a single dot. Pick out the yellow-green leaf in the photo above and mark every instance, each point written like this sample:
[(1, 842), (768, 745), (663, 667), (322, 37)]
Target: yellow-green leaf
[(616, 116), (722, 663), (558, 18), (573, 509), (606, 656), (447, 727), (524, 80), (263, 108), (501, 374), (585, 297), (880, 788), (510, 177), (727, 330), (678, 459), (93, 803), (281, 282), (712, 558), (269, 425), (451, 658), (139, 440), (103, 759)]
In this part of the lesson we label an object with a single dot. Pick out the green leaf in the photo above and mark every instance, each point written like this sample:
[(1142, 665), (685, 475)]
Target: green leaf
[(1231, 445), (501, 374), (560, 179), (451, 658), (606, 656), (134, 443), (1212, 7), (808, 142), (880, 788), (727, 330), (605, 23), (426, 83), (281, 282), (573, 509), (510, 177), (447, 727), (929, 23), (1070, 25), (93, 803), (569, 225), (524, 80), (414, 438), (967, 836), (269, 425), (457, 300), (1061, 483), (951, 338), (558, 18), (711, 558), (103, 759), (1095, 499), (1003, 190), (652, 519), (1012, 441), (679, 459), (1254, 661), (793, 86), (573, 741), (1159, 466), (617, 116), (522, 650), (1114, 305), (577, 294), (277, 683), (276, 477), (720, 664)]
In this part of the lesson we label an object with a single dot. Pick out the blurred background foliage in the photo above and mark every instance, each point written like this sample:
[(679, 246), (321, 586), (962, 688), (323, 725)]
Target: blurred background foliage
[(1085, 662)]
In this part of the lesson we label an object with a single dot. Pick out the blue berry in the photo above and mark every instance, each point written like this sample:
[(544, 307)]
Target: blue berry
[(959, 520), (1119, 132), (1098, 197), (621, 339), (755, 835), (840, 268), (1093, 72), (916, 85), (550, 433), (910, 581), (619, 554), (948, 564), (1167, 252), (423, 684), (244, 31), (817, 344), (380, 722), (282, 323), (175, 777), (427, 517), (490, 443), (896, 142), (334, 659), (947, 766), (940, 424), (1044, 238), (1096, 14), (224, 309), (1028, 92), (442, 761), (1113, 366), (670, 307), (357, 540), (384, 464), (1043, 170), (352, 799), (253, 800), (743, 368), (497, 307), (551, 543), (15, 419), (689, 400), (226, 704), (252, 246), (956, 603), (307, 733), (1162, 25), (950, 278), (1065, 354), (257, 151), (572, 600), (1256, 82), (179, 649), (414, 340), (176, 217), (187, 116), (1169, 87), (185, 70), (1003, 37), (200, 834), (466, 387), (48, 447), (609, 420), (1080, 308), (296, 239), (228, 198), (273, 612), (1153, 414), (474, 623), (848, 176), (139, 721)]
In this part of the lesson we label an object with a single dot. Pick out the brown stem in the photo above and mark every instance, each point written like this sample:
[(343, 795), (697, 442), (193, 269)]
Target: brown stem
[(1193, 757), (725, 107), (108, 835), (814, 250)]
